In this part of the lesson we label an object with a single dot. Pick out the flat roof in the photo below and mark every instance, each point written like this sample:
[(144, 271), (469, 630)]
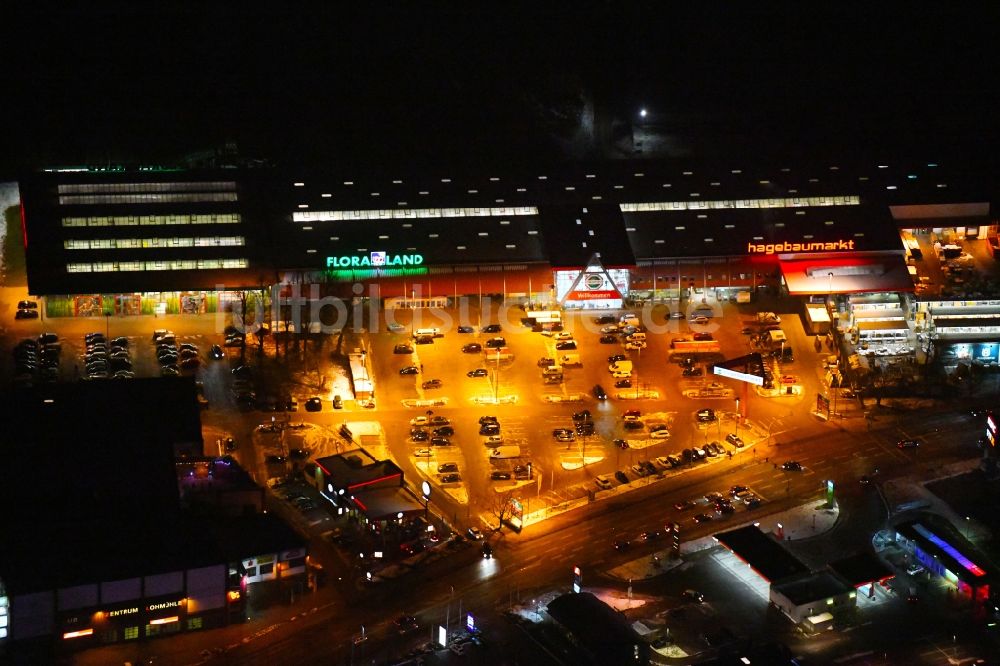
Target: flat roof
[(382, 503), (811, 587), (953, 550), (861, 568), (89, 483), (606, 632), (351, 470), (765, 555), (851, 274)]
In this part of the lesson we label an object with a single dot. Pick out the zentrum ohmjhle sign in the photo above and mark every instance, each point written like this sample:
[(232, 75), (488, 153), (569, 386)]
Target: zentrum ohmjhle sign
[(773, 248), (374, 260)]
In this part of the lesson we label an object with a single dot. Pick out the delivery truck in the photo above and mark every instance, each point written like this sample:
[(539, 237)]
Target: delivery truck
[(570, 359)]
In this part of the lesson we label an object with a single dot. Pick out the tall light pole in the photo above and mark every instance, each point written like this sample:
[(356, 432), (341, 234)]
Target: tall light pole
[(738, 417), (496, 380)]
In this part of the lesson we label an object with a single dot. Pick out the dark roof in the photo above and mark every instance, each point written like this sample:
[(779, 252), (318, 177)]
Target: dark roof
[(683, 232), (811, 587), (762, 552), (943, 542), (247, 536), (606, 632), (860, 568), (86, 449), (574, 233), (350, 471), (46, 557), (87, 467)]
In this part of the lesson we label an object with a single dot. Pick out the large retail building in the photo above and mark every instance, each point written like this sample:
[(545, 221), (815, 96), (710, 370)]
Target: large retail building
[(138, 241)]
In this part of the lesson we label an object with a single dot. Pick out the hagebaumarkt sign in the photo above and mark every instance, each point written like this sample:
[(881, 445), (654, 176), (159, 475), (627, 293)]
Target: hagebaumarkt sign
[(374, 260), (773, 248)]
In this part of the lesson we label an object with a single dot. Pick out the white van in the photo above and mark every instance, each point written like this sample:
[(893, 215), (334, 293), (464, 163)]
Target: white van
[(629, 318), (638, 336), (427, 332), (493, 440), (506, 452)]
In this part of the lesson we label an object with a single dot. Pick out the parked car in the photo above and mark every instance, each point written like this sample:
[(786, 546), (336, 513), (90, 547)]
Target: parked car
[(607, 339), (602, 481), (314, 405), (565, 345), (735, 440), (907, 444), (451, 478), (472, 348), (402, 349), (447, 467), (444, 431), (583, 415), (478, 372), (693, 595), (409, 370), (792, 466), (705, 415), (491, 328), (500, 476), (621, 476), (599, 392)]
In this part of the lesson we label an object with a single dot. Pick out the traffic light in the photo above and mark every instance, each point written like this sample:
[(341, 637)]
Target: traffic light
[(675, 539)]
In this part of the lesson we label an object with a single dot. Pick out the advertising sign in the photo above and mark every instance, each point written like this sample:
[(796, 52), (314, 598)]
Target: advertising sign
[(593, 286), (374, 260)]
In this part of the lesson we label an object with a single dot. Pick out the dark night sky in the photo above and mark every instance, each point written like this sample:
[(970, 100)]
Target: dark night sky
[(354, 87)]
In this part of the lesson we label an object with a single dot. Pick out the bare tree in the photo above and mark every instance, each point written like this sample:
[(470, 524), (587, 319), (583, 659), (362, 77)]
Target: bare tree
[(502, 507)]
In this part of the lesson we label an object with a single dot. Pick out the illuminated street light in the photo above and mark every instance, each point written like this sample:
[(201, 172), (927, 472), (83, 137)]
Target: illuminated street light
[(642, 113)]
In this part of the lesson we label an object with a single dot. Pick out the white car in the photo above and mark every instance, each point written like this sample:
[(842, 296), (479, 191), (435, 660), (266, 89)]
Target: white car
[(603, 481), (700, 319), (423, 453), (635, 344), (662, 461), (419, 421), (564, 335), (660, 434), (621, 374)]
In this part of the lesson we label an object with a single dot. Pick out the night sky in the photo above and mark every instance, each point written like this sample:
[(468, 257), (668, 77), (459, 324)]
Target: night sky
[(411, 86)]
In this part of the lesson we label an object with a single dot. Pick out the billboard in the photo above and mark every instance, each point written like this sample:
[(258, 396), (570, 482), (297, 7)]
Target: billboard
[(594, 285)]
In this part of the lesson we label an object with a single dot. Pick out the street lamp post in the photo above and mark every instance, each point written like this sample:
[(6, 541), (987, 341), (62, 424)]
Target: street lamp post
[(737, 417), (496, 380)]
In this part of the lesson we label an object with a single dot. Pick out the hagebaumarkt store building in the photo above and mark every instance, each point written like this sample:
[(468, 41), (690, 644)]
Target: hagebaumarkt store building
[(144, 241)]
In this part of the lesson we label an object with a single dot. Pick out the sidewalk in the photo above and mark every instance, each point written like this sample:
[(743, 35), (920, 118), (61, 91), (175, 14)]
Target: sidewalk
[(801, 522)]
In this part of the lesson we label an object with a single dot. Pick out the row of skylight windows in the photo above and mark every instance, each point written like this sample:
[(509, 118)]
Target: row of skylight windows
[(134, 266), (145, 198), (787, 202), (134, 243), (591, 176), (149, 220), (405, 213), (530, 232), (104, 188)]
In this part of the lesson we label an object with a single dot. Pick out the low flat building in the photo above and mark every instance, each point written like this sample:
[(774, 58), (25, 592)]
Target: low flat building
[(605, 632), (812, 594)]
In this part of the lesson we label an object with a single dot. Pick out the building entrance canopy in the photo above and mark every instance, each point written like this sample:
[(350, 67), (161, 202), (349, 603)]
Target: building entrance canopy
[(845, 274)]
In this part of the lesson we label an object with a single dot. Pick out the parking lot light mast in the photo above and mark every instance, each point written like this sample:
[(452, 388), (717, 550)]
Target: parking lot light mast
[(496, 380), (737, 432)]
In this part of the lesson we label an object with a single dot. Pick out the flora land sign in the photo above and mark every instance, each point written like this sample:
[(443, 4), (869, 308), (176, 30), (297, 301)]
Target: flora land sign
[(772, 248), (374, 260)]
